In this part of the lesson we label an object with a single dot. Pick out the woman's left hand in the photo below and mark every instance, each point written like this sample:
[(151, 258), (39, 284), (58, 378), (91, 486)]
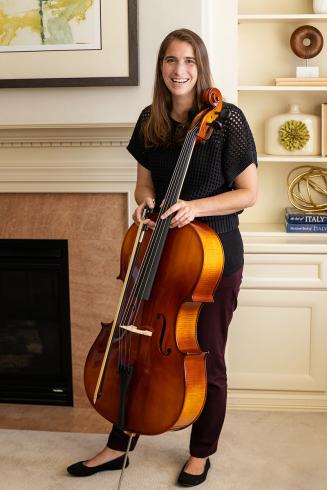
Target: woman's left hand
[(185, 213)]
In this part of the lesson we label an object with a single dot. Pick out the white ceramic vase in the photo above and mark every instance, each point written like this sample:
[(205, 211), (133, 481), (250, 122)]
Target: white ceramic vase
[(320, 6), (272, 126)]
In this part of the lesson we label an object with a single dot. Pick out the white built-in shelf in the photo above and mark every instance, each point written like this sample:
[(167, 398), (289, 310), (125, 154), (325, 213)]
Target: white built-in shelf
[(279, 88), (275, 229), (246, 18), (272, 238), (263, 157)]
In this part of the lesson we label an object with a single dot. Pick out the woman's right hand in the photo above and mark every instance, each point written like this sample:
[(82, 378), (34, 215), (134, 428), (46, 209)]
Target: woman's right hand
[(137, 215)]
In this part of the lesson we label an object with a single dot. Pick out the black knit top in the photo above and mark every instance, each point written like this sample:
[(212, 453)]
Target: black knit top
[(212, 170)]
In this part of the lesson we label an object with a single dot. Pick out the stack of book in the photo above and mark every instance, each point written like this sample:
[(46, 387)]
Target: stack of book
[(297, 221)]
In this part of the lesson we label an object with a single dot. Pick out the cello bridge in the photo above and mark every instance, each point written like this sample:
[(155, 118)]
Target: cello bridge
[(134, 329)]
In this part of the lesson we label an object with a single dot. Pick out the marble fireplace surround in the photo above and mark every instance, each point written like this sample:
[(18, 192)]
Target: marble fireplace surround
[(72, 182)]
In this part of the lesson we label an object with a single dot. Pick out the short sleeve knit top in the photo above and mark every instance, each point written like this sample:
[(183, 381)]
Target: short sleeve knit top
[(212, 170)]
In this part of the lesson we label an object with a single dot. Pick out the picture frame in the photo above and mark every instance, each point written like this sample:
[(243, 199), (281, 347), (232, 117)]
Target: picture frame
[(114, 64)]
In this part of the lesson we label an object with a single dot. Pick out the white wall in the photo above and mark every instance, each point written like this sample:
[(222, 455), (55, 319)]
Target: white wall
[(209, 18), (219, 31)]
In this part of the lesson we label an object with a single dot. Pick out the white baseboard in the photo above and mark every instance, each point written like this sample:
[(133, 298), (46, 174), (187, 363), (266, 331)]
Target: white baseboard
[(294, 402)]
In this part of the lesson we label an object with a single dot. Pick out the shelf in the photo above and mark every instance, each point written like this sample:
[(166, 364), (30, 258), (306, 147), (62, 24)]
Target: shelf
[(261, 238), (245, 19), (275, 229), (273, 88), (259, 96), (263, 157)]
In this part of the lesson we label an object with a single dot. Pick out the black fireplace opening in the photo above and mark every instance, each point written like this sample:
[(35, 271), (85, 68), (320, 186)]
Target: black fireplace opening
[(35, 339)]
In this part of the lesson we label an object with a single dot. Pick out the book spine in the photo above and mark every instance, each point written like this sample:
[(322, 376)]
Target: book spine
[(307, 219), (305, 228)]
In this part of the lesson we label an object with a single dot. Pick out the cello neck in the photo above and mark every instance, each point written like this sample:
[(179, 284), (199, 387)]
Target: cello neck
[(154, 251), (177, 180)]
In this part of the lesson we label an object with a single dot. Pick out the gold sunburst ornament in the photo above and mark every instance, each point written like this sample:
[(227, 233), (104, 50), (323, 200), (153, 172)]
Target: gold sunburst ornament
[(307, 190), (293, 135)]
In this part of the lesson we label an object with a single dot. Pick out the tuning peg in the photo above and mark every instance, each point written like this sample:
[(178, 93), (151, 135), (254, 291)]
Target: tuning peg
[(216, 124), (224, 114)]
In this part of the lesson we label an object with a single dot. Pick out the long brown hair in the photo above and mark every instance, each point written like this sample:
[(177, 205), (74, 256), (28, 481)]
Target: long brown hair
[(156, 129)]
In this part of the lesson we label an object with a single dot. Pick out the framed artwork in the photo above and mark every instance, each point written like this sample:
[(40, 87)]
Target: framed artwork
[(68, 43)]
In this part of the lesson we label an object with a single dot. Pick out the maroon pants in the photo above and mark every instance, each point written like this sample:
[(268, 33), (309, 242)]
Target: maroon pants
[(212, 336)]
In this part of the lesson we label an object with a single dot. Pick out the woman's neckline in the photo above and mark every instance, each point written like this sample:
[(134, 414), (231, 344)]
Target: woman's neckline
[(184, 124), (178, 123)]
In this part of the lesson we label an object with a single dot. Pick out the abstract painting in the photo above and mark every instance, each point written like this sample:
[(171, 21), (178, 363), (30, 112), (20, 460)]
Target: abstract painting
[(68, 43), (49, 25)]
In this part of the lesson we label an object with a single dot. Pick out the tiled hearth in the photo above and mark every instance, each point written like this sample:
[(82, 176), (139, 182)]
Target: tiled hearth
[(71, 183)]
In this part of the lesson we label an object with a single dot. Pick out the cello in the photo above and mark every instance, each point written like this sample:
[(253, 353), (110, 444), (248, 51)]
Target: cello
[(145, 372)]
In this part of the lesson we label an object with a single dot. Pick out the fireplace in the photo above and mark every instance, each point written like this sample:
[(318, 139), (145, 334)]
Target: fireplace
[(72, 182), (35, 343)]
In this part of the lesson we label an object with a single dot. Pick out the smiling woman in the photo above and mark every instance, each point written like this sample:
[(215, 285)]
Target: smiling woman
[(179, 70), (221, 181), (175, 57)]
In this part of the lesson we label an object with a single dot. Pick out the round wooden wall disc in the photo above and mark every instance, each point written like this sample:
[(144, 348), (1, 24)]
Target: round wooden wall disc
[(298, 42)]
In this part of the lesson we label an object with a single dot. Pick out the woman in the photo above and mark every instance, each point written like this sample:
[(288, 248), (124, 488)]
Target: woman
[(221, 182)]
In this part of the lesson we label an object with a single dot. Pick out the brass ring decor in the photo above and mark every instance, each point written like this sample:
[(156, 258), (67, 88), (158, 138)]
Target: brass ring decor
[(307, 190), (300, 35), (293, 135)]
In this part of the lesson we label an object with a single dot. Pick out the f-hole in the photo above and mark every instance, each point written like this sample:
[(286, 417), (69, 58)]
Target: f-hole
[(162, 335)]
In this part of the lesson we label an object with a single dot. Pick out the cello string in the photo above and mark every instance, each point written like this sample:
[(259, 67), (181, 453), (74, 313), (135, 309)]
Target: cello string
[(162, 224), (157, 237), (178, 173), (134, 293), (122, 334), (129, 280)]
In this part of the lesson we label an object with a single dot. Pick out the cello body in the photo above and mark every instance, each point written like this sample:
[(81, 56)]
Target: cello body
[(167, 388)]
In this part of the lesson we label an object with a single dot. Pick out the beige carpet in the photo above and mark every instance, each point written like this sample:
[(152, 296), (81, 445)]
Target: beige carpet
[(258, 451)]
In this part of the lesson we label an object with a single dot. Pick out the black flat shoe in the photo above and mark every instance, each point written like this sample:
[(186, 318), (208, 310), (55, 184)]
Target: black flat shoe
[(188, 480), (79, 469)]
